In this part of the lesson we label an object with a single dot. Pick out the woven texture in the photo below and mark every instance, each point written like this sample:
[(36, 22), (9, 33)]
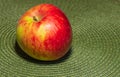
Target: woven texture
[(95, 48)]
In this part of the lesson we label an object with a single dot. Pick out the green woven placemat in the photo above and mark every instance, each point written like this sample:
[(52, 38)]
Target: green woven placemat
[(95, 48)]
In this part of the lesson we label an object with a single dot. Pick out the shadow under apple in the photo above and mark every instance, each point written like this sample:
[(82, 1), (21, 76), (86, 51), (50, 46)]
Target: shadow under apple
[(23, 55)]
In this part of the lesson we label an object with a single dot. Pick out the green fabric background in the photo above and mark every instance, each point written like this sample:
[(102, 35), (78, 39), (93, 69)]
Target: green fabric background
[(95, 48)]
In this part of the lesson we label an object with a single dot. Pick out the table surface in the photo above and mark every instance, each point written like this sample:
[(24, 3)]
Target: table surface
[(95, 48)]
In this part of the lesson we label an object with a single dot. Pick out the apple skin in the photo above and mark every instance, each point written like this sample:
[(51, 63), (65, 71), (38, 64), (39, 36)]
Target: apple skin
[(44, 33)]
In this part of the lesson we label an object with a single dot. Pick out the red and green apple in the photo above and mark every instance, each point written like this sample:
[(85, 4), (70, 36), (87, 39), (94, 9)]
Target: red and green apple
[(44, 32)]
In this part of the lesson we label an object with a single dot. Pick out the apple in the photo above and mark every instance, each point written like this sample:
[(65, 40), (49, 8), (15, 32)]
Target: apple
[(44, 32)]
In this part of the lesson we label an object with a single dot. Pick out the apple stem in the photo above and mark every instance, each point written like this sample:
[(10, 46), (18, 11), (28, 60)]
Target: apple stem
[(35, 18)]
